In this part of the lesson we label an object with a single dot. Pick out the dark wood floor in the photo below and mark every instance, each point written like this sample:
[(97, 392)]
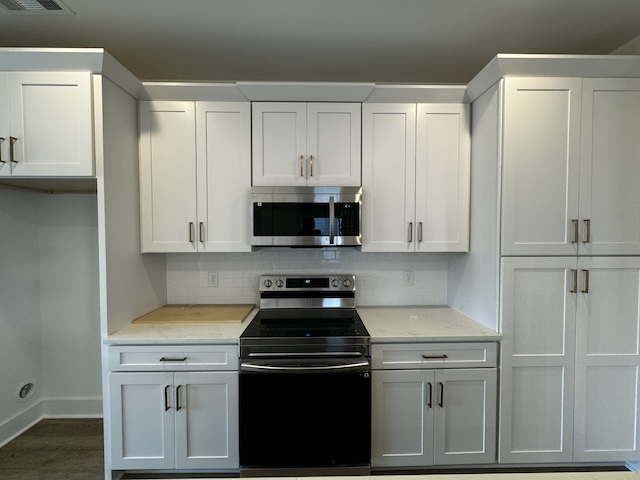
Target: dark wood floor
[(55, 449)]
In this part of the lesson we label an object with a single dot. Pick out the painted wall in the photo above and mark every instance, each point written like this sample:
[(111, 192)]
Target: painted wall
[(379, 276)]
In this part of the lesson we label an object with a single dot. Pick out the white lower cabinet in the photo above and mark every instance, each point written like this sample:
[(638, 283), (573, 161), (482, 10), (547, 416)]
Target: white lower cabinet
[(182, 420), (444, 416)]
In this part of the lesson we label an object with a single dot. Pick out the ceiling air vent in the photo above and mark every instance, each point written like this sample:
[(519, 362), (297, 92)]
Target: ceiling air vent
[(36, 7)]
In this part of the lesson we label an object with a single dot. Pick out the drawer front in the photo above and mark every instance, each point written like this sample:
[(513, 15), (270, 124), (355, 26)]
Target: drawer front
[(434, 355), (173, 358)]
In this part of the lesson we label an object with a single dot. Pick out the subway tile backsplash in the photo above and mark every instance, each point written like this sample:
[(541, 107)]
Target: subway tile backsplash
[(379, 276)]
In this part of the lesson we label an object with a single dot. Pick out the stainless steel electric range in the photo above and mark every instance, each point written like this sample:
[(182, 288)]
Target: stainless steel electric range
[(305, 380)]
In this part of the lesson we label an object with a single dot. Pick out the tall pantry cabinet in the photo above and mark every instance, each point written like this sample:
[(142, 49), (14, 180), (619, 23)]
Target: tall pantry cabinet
[(569, 264)]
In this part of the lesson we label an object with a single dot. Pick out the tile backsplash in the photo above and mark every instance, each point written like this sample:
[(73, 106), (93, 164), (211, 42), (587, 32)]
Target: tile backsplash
[(379, 276)]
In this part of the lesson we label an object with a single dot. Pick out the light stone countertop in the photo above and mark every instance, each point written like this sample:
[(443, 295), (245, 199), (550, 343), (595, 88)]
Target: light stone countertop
[(423, 324), (385, 324)]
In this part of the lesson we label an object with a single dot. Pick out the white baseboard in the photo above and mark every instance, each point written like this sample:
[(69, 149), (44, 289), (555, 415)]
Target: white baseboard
[(49, 408)]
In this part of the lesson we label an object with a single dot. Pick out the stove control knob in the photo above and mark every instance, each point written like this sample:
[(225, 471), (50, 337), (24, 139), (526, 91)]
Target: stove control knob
[(347, 283), (268, 283), (335, 282), (279, 283)]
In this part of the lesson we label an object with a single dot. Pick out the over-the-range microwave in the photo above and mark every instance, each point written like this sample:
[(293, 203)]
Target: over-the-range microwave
[(306, 216)]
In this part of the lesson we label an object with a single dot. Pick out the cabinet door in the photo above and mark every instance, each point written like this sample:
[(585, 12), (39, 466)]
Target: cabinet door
[(607, 360), (541, 142), (442, 182), (609, 167), (465, 405), (333, 144), (402, 418), (388, 177), (168, 177), (51, 119), (224, 176), (538, 347), (279, 136), (207, 420), (142, 415), (5, 164)]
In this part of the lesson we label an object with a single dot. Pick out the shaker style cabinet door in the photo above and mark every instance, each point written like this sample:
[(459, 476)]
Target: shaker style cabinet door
[(541, 155), (168, 177), (538, 355), (610, 167), (46, 124)]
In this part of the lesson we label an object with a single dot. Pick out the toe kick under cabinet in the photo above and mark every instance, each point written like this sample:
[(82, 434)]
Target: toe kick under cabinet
[(174, 407), (433, 404)]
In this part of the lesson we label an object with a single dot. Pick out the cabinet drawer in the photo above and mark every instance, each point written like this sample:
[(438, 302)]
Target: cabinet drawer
[(173, 358), (434, 355)]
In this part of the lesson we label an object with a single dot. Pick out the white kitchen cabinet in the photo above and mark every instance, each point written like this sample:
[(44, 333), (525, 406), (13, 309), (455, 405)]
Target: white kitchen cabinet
[(195, 176), (46, 124), (164, 416), (426, 416), (415, 177), (570, 359), (570, 166), (306, 144)]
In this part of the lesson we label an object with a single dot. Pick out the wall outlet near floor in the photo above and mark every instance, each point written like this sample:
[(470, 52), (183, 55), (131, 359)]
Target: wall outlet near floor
[(407, 278), (213, 279)]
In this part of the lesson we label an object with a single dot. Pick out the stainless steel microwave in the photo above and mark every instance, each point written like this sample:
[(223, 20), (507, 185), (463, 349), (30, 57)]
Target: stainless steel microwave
[(306, 216)]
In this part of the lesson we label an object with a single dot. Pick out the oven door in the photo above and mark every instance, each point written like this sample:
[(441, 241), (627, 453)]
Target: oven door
[(305, 413)]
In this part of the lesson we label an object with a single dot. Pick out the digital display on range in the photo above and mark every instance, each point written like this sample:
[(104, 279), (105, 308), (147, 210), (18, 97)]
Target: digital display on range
[(307, 282)]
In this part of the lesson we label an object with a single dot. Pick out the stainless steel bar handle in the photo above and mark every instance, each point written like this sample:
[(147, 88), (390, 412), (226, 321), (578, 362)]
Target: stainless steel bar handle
[(178, 398), (332, 217), (574, 273), (433, 357), (410, 232), (575, 231), (587, 231), (430, 403), (191, 232), (301, 165), (201, 232), (311, 166), (173, 359), (420, 232), (1, 142), (12, 153), (586, 281), (298, 368), (166, 398), (441, 403)]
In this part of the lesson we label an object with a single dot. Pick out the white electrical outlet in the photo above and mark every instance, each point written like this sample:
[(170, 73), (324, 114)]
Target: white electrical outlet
[(407, 278), (213, 279)]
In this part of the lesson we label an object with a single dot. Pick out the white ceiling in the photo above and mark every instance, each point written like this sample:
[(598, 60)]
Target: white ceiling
[(417, 41)]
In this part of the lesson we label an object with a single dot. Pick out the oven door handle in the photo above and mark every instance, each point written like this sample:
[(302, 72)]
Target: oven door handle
[(270, 368)]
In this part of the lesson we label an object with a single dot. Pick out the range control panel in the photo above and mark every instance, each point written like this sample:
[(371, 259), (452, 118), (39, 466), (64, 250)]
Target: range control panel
[(330, 283)]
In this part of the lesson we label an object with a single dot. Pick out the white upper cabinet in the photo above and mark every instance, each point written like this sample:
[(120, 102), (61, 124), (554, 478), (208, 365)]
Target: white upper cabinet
[(306, 144), (195, 175), (46, 124), (415, 177), (541, 161), (570, 167)]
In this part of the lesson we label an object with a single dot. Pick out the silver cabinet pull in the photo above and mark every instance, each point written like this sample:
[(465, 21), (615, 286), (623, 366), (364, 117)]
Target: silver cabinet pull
[(420, 232), (574, 273), (178, 398), (173, 359), (441, 404), (587, 231), (311, 166), (575, 231), (1, 142), (201, 232), (166, 398), (586, 281), (301, 165), (12, 153), (430, 403), (433, 357), (410, 232), (191, 232)]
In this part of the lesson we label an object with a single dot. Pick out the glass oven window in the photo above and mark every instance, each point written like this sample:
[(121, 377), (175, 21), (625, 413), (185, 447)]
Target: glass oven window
[(308, 219)]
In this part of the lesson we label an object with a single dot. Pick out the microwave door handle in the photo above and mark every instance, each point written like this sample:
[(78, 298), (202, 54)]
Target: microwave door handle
[(332, 216)]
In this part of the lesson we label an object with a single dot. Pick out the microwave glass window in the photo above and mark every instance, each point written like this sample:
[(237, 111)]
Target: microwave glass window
[(307, 219)]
